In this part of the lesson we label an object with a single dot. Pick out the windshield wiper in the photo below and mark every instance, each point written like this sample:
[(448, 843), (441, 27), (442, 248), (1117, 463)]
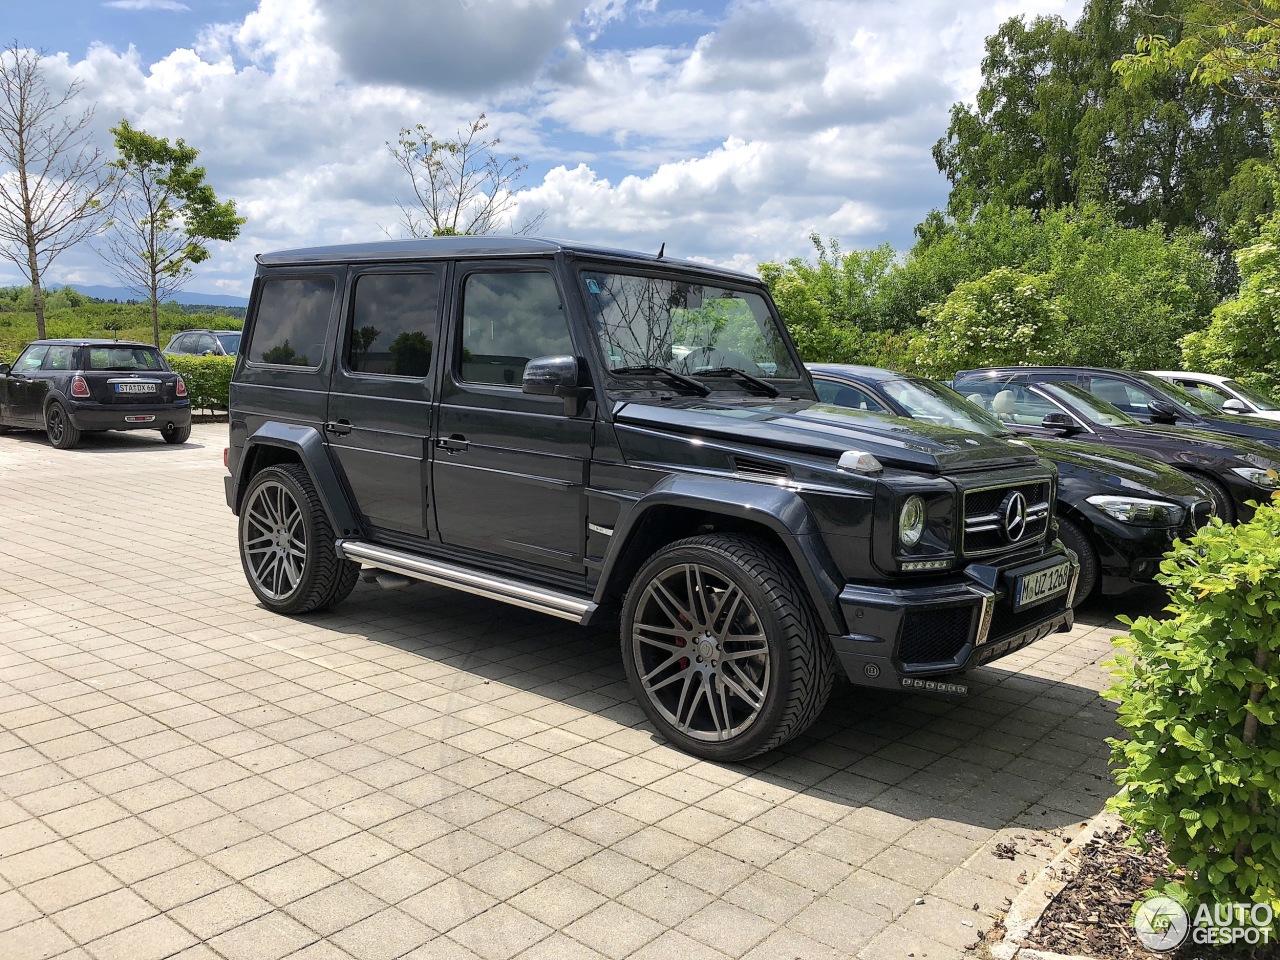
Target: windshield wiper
[(701, 389), (764, 386)]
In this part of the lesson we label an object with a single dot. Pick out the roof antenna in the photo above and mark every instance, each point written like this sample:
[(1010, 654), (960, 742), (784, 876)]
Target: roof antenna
[(662, 249)]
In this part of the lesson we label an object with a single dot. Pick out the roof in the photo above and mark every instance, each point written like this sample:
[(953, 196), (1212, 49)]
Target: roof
[(1207, 377), (433, 248), (204, 330), (1049, 369), (869, 374), (91, 342)]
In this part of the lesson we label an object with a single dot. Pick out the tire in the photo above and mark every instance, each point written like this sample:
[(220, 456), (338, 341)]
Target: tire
[(294, 568), (61, 431), (1224, 507), (724, 709), (1075, 539), (175, 434)]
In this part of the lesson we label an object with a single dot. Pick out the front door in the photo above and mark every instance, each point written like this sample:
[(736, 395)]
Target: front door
[(379, 420), (509, 469), (20, 395)]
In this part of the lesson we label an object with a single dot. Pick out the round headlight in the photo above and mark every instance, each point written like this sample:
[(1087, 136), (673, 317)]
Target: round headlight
[(911, 522)]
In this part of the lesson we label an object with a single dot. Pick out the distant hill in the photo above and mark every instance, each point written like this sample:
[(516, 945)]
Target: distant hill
[(185, 297)]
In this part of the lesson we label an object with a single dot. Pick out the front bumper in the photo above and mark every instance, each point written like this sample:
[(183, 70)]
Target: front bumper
[(899, 636), (140, 416)]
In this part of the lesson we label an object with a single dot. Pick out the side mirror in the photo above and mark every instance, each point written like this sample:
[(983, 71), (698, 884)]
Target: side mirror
[(1235, 406), (556, 377), (1162, 411), (4, 369), (1060, 422)]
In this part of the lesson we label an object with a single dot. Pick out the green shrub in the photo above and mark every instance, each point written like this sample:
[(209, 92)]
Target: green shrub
[(1199, 693), (208, 379)]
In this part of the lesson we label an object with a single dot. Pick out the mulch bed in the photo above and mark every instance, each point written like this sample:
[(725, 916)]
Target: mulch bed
[(1091, 915)]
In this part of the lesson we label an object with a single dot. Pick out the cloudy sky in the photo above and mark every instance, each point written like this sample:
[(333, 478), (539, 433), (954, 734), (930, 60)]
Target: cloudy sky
[(728, 129)]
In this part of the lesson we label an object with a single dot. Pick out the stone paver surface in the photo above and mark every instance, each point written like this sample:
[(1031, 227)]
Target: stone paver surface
[(421, 773)]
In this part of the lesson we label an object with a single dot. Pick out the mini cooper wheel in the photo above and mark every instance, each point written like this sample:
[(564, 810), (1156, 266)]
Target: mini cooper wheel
[(1075, 539), (287, 545), (63, 434), (722, 648), (173, 433)]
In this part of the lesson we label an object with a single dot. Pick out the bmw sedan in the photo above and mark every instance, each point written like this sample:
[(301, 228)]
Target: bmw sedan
[(70, 387)]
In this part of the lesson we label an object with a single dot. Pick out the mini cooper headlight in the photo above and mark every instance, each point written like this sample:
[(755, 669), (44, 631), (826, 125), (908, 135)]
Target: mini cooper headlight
[(911, 522), (1136, 510), (1268, 479)]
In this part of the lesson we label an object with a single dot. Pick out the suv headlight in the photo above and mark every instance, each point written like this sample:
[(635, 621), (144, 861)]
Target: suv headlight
[(1268, 479), (1136, 510), (911, 522)]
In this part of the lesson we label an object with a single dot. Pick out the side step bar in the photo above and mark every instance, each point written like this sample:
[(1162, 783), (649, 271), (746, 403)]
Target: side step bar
[(542, 599)]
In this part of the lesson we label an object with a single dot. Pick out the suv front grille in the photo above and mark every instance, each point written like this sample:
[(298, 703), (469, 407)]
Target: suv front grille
[(988, 530), (934, 636)]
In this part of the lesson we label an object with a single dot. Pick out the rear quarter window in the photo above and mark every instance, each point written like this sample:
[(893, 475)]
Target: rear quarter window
[(292, 322)]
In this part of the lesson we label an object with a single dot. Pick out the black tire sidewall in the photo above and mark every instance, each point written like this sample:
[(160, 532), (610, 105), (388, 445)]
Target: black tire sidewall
[(176, 434), (1224, 503), (69, 432), (1074, 538), (765, 725), (295, 601)]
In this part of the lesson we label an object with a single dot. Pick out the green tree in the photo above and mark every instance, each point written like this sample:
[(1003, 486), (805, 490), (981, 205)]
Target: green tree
[(164, 216)]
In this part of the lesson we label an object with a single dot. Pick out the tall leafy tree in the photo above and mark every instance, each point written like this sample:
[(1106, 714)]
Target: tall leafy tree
[(57, 186), (164, 216)]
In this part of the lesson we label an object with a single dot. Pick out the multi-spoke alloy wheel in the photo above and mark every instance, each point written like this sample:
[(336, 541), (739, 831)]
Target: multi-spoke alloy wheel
[(287, 545), (61, 431), (722, 648)]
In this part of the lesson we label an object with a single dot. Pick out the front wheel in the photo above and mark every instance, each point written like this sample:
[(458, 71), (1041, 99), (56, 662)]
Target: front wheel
[(62, 433), (287, 545), (1075, 539), (1224, 506), (722, 648)]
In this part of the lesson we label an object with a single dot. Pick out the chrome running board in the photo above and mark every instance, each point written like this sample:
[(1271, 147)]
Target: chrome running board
[(563, 605)]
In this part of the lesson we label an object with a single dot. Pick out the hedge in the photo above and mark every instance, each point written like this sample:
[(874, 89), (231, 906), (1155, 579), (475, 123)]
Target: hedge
[(208, 379)]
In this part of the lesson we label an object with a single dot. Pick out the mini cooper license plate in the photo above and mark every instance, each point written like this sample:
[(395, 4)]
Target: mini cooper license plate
[(141, 387), (1041, 585)]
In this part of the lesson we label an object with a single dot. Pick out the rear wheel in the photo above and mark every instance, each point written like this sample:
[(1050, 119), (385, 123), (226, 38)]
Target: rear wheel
[(173, 433), (287, 545), (1075, 539), (57, 424), (722, 648)]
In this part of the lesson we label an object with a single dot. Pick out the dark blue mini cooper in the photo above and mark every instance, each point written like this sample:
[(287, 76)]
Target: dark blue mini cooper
[(68, 387)]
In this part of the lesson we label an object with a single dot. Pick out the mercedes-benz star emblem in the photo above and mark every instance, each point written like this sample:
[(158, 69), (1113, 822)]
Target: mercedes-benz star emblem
[(1013, 515)]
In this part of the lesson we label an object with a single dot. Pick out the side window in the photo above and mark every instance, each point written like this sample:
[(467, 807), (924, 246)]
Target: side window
[(509, 319), (60, 357), (393, 324), (204, 344), (31, 359), (827, 390), (1131, 399), (292, 321), (843, 395), (1014, 403), (1210, 394)]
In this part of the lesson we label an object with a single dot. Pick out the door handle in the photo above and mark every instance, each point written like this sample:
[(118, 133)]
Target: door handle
[(339, 428), (454, 444)]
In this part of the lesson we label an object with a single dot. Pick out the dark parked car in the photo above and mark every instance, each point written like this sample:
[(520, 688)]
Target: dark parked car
[(1235, 470), (69, 387), (1120, 512), (578, 430), (1143, 396), (205, 343)]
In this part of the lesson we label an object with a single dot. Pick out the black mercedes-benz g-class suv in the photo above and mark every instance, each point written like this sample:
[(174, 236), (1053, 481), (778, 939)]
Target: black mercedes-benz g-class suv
[(580, 431)]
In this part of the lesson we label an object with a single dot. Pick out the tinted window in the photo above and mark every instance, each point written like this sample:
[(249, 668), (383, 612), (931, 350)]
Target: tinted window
[(124, 358), (205, 344), (843, 395), (230, 343), (1129, 397), (293, 321), (1011, 403), (31, 359), (509, 319), (393, 324), (1214, 396), (60, 357)]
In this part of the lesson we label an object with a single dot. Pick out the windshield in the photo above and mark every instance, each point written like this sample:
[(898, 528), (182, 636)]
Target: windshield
[(686, 326), (924, 400), (1189, 402), (1256, 397), (124, 358), (1084, 404), (230, 343)]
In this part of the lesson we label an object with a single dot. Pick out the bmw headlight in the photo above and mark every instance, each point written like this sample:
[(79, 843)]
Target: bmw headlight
[(1267, 479), (1139, 511), (911, 522)]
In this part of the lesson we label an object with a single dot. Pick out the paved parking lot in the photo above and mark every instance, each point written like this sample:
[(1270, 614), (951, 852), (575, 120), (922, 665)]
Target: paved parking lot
[(422, 773)]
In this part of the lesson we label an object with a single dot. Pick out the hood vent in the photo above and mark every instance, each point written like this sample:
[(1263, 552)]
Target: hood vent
[(760, 469)]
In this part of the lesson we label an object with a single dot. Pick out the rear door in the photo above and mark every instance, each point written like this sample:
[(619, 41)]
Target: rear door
[(509, 469), (379, 420)]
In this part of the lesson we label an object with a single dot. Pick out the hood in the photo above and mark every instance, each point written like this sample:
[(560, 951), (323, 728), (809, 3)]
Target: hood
[(1211, 444), (822, 430), (1254, 428), (1093, 470)]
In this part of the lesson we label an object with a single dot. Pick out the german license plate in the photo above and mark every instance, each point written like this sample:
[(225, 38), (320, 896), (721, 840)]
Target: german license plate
[(135, 388), (1033, 587)]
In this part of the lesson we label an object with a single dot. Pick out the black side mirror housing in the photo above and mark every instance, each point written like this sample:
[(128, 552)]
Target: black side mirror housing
[(4, 369), (1060, 422), (560, 376), (1162, 411)]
